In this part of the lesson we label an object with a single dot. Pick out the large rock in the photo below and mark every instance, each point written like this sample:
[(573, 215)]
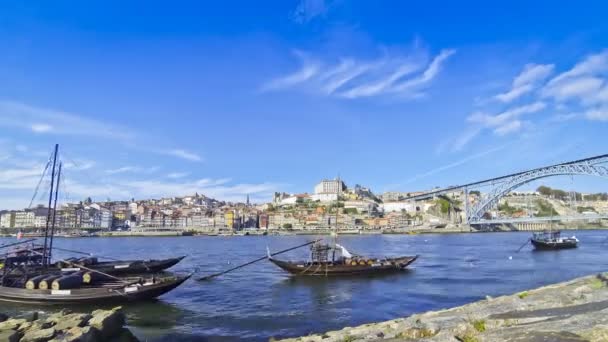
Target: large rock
[(43, 335), (11, 324), (72, 320), (109, 322), (9, 336), (78, 334), (3, 317)]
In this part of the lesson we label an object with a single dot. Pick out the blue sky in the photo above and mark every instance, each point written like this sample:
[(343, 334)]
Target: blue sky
[(149, 98)]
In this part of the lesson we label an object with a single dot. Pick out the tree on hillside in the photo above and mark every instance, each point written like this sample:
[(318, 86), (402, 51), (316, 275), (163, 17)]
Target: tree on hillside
[(544, 190)]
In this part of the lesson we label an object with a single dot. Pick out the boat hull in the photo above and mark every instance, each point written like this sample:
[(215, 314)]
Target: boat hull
[(134, 266), (546, 246), (330, 269), (93, 295)]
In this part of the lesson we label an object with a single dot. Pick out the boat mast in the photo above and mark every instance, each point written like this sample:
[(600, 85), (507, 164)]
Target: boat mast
[(54, 213), (48, 216), (335, 237)]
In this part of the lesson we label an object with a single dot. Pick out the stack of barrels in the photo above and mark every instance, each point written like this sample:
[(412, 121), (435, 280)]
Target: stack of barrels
[(64, 281)]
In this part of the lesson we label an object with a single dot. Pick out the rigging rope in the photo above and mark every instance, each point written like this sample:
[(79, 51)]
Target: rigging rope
[(39, 182)]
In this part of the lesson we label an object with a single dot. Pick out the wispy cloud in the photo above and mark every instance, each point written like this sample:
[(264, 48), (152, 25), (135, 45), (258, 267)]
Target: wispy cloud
[(352, 78), (526, 81), (132, 169), (187, 155), (454, 164), (48, 121), (176, 175)]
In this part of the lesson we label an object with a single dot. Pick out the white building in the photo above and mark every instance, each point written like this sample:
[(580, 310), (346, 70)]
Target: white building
[(24, 219), (39, 221), (335, 186), (398, 206), (7, 220), (324, 197)]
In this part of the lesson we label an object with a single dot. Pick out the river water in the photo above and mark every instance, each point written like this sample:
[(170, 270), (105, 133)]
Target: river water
[(261, 301)]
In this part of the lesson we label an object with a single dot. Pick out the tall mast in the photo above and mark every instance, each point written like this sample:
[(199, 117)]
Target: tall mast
[(48, 216), (54, 213)]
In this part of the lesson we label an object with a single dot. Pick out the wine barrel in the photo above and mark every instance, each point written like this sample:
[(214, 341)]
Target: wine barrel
[(66, 263), (92, 277), (67, 282), (32, 283), (46, 282)]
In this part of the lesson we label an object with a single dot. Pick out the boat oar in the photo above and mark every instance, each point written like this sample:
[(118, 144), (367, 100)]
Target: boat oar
[(83, 253), (89, 269), (256, 260), (17, 243), (522, 246)]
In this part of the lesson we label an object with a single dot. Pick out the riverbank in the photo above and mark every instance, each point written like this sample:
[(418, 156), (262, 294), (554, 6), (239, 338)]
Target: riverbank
[(570, 311), (65, 326), (452, 229)]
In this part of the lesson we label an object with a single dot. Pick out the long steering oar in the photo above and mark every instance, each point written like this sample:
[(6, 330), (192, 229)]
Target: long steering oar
[(17, 243), (83, 253), (89, 269), (522, 246), (256, 260)]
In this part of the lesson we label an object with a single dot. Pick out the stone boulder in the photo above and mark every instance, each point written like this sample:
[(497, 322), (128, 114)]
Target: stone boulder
[(9, 336), (11, 324), (43, 335), (109, 322)]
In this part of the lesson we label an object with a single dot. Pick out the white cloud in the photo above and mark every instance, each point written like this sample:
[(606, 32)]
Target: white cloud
[(41, 128), (175, 175), (351, 78), (526, 81), (582, 88), (593, 64), (506, 117), (597, 114), (36, 119), (123, 170), (191, 156), (307, 71), (509, 127)]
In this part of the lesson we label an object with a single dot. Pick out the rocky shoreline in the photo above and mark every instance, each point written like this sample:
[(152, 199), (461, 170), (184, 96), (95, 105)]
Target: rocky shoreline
[(66, 326), (576, 310)]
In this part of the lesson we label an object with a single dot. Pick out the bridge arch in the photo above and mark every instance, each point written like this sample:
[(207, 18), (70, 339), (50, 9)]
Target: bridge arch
[(475, 213)]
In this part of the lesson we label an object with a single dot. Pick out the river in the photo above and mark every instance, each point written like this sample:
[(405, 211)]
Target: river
[(261, 301)]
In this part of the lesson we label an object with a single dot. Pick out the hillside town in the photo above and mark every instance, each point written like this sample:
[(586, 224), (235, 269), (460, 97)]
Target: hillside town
[(331, 204)]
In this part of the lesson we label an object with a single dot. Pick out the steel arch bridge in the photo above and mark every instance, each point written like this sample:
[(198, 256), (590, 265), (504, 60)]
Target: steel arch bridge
[(500, 186)]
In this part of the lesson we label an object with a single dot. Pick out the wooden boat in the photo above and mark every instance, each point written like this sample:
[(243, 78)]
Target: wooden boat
[(132, 289), (122, 267), (118, 267), (552, 240), (341, 263)]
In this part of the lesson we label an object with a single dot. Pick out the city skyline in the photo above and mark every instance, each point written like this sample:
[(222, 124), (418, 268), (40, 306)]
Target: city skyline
[(281, 96)]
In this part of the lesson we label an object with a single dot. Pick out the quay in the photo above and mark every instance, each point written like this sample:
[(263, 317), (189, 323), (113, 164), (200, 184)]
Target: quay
[(565, 312)]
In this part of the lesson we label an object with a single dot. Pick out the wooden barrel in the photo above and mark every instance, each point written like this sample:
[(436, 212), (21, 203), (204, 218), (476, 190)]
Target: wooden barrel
[(92, 277), (71, 281), (32, 283), (46, 282)]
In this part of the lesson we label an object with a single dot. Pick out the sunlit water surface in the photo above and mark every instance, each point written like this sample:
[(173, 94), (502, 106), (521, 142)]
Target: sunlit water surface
[(261, 301)]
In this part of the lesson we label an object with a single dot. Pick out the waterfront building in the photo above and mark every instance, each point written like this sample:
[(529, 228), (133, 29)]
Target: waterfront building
[(24, 219), (7, 219)]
